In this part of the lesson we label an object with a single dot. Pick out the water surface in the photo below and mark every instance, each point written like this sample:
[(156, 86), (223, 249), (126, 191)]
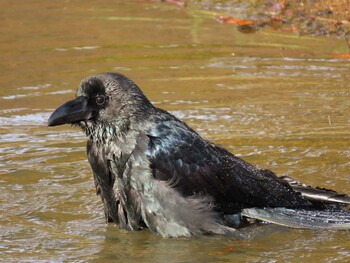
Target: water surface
[(277, 100)]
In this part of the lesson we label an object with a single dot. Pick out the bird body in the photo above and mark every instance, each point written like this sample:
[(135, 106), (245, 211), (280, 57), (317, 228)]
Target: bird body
[(152, 170)]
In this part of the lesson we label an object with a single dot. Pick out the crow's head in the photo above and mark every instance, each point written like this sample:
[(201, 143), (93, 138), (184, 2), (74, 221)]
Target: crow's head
[(107, 98)]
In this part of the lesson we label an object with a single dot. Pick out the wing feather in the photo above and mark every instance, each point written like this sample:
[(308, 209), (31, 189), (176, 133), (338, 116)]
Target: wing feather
[(178, 154)]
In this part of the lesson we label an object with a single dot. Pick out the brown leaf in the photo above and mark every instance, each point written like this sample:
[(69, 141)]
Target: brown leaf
[(235, 21), (346, 56)]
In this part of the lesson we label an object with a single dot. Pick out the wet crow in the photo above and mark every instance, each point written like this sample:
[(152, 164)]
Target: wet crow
[(152, 170)]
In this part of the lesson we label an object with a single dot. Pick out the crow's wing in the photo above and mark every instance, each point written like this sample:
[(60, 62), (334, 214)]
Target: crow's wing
[(196, 167)]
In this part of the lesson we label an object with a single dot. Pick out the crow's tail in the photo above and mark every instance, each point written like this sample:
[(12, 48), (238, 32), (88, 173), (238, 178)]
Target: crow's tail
[(301, 218), (328, 198), (329, 211)]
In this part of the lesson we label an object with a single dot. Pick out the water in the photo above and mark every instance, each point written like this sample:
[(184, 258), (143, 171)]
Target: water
[(277, 100)]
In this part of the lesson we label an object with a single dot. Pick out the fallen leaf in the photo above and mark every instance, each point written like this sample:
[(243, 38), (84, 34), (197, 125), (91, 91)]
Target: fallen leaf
[(288, 29), (347, 56), (236, 21)]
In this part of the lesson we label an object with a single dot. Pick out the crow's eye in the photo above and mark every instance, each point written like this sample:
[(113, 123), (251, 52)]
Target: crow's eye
[(101, 100)]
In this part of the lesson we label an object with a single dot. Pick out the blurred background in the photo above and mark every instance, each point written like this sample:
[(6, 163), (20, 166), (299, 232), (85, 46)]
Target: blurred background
[(265, 79)]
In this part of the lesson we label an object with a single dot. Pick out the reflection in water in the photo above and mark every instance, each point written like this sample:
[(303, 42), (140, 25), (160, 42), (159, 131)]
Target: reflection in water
[(279, 102)]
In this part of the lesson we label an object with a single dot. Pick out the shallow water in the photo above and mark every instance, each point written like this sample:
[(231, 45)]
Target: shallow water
[(279, 101)]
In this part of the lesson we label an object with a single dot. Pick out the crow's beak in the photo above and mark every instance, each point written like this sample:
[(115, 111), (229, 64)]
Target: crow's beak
[(70, 112)]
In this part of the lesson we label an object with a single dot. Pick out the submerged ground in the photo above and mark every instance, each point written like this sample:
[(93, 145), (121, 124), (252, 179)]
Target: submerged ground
[(302, 17)]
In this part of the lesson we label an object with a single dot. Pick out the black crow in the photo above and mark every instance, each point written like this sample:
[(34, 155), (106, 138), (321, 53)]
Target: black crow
[(152, 170)]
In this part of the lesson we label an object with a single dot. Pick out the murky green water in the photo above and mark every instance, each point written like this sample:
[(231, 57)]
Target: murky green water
[(279, 101)]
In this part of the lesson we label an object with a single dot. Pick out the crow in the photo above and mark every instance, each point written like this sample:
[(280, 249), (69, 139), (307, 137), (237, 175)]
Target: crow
[(153, 171)]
